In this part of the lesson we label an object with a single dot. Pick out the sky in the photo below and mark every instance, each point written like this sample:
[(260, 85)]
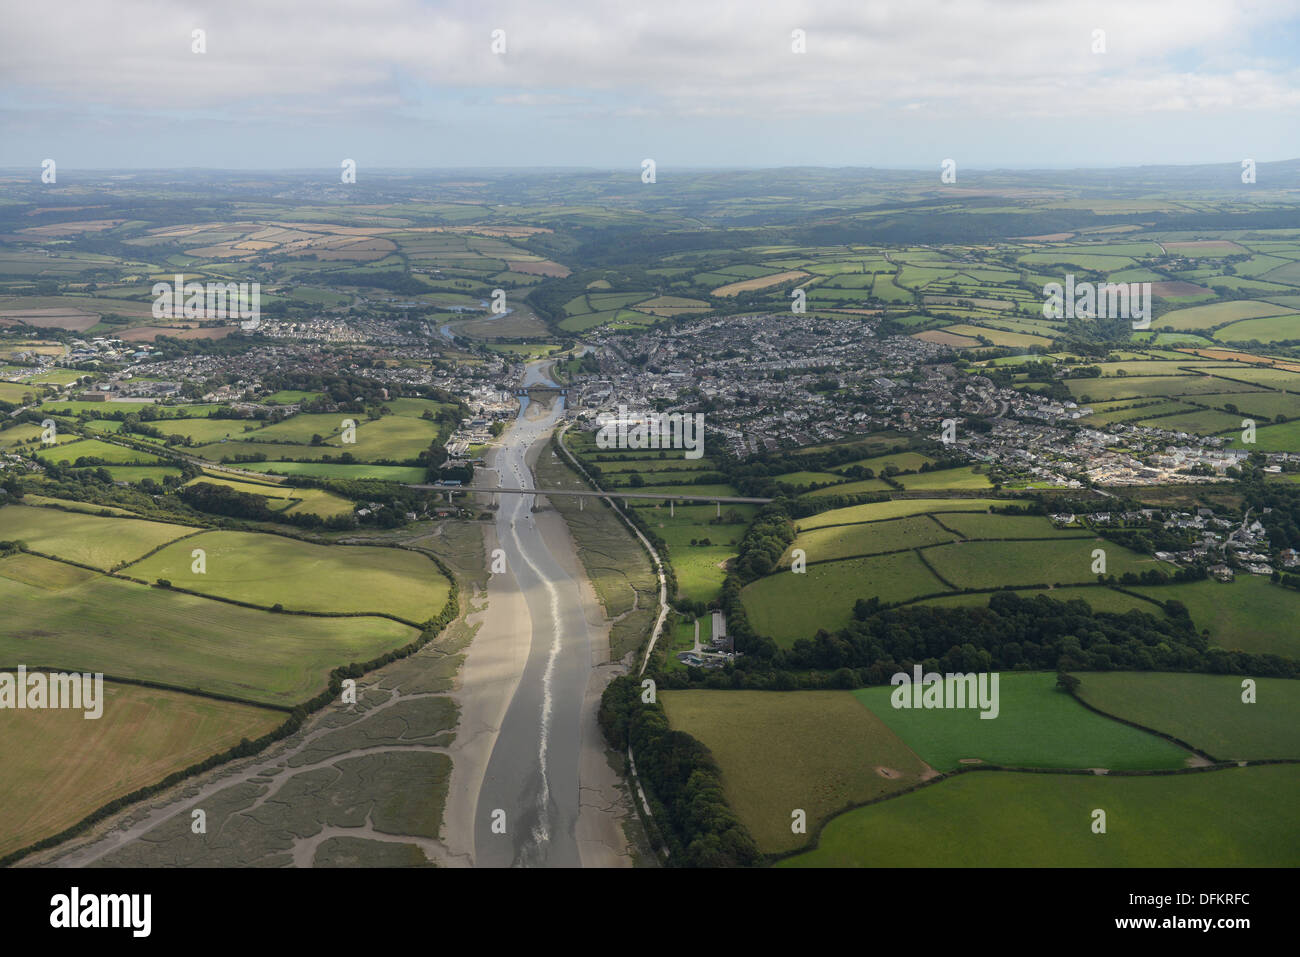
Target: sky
[(395, 84)]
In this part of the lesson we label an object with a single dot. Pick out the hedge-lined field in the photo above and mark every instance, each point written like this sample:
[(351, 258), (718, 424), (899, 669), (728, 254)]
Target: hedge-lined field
[(67, 617), (815, 750), (1037, 726), (1206, 711), (787, 606), (898, 508), (88, 539), (271, 569), (1240, 817), (59, 766)]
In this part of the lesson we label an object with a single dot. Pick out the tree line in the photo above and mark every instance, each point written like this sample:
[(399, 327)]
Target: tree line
[(691, 816), (1013, 633)]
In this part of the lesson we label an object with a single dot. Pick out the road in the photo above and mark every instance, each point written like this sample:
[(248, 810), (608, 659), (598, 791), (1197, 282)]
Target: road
[(532, 775)]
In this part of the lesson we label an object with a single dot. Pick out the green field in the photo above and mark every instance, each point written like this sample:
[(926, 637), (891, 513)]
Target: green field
[(1215, 314), (1084, 260), (1277, 438), (903, 461), (138, 473), (819, 751), (286, 498), (876, 511), (699, 568), (1135, 387), (977, 525), (1200, 422), (74, 406), (1249, 614), (1098, 598), (29, 432), (998, 337), (60, 616), (681, 480), (1036, 726), (232, 449), (647, 463), (1002, 564), (1129, 410), (94, 448), (88, 539), (398, 438), (59, 767), (201, 431), (958, 478), (1241, 817), (58, 376), (1265, 377), (291, 397), (786, 606), (1272, 329), (388, 473), (1022, 551), (851, 488), (110, 426), (804, 479), (89, 508), (300, 428), (271, 569), (317, 501), (1258, 405), (18, 392), (845, 541), (1206, 711)]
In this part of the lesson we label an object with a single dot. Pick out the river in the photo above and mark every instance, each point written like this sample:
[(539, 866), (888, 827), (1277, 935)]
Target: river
[(532, 775)]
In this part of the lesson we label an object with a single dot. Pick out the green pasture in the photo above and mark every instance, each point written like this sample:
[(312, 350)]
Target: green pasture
[(64, 617), (1206, 711), (1241, 817), (87, 539), (1036, 726), (266, 569), (787, 606), (94, 448), (817, 751)]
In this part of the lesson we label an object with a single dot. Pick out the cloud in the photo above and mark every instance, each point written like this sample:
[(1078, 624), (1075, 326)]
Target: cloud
[(1008, 58)]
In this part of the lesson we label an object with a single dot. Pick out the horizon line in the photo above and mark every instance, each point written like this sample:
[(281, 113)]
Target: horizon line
[(22, 170)]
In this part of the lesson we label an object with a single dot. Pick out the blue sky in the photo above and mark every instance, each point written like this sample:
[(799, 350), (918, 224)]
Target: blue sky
[(606, 83)]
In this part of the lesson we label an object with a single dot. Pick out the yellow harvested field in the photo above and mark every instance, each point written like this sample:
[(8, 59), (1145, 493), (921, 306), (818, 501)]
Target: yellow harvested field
[(61, 766), (947, 339), (761, 282)]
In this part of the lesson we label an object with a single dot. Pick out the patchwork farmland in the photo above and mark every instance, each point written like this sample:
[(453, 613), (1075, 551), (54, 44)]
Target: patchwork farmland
[(201, 656)]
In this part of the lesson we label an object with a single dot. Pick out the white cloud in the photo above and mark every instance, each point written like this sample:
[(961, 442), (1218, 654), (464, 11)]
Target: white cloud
[(671, 58)]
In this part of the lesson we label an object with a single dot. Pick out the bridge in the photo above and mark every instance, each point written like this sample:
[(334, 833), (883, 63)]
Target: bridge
[(524, 391), (583, 494)]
